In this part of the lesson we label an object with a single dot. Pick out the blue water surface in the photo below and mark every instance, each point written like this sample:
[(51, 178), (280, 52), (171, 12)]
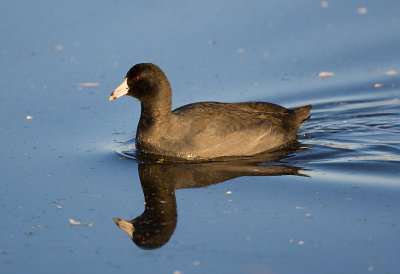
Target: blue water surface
[(330, 206)]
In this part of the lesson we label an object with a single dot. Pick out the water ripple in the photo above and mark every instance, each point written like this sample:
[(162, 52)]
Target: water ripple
[(359, 136)]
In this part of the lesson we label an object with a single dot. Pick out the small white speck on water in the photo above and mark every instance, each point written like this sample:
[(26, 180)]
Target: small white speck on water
[(240, 50), (390, 73), (72, 222), (228, 192), (29, 117), (89, 84), (301, 243), (378, 85), (325, 74), (362, 10), (324, 4)]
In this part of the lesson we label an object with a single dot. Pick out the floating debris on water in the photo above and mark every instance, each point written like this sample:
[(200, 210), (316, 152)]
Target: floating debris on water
[(301, 242), (240, 50), (325, 74), (362, 10), (390, 73), (378, 85), (29, 117), (228, 192), (72, 222), (89, 84)]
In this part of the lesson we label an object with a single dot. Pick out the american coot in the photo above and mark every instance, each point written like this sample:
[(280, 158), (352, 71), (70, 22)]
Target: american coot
[(205, 130)]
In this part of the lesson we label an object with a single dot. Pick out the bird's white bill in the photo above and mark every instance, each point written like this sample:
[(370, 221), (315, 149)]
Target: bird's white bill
[(126, 226), (121, 90)]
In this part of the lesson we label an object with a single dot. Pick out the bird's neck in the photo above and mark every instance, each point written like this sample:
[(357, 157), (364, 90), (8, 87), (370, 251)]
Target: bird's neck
[(154, 118), (156, 112)]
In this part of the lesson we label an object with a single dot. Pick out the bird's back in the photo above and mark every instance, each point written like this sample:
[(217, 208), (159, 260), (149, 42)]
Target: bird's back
[(209, 129)]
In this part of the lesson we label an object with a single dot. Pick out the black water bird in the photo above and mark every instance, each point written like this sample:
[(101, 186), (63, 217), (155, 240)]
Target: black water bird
[(204, 130)]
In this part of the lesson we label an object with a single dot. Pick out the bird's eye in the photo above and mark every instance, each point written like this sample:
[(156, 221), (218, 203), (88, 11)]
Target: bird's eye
[(136, 78)]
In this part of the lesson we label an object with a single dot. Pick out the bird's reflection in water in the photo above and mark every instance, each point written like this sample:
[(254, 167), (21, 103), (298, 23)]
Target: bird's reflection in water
[(154, 227)]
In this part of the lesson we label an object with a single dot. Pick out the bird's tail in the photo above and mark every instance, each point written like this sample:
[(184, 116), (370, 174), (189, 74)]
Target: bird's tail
[(301, 114)]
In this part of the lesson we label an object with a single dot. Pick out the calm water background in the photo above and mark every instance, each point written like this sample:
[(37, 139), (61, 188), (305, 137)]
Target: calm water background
[(59, 62)]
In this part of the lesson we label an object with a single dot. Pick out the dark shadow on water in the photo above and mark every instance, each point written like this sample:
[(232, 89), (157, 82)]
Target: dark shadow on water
[(154, 227)]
